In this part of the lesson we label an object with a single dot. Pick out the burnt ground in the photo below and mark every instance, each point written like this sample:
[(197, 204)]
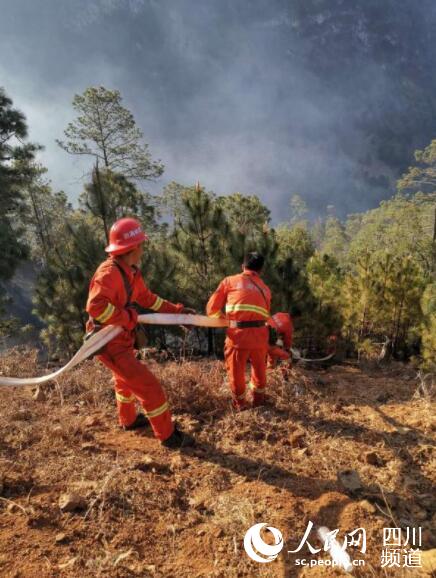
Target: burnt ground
[(143, 510)]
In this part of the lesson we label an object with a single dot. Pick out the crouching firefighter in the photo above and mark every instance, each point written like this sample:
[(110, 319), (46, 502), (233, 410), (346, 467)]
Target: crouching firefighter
[(279, 348), (246, 300), (115, 286)]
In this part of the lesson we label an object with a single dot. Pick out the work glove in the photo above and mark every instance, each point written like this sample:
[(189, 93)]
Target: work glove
[(133, 319)]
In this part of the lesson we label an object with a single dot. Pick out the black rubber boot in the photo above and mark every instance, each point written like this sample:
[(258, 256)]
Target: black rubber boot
[(140, 421), (178, 439)]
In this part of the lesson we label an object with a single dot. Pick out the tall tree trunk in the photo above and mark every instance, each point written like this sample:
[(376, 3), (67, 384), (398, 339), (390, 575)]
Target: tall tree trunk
[(101, 201)]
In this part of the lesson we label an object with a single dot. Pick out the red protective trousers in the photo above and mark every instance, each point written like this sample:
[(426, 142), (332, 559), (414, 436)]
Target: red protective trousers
[(236, 361), (134, 380)]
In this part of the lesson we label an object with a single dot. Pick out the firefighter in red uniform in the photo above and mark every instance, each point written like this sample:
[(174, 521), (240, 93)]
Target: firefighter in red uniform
[(281, 349), (284, 327), (115, 286), (246, 300)]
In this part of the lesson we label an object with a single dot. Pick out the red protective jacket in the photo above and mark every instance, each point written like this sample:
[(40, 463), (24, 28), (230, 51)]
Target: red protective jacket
[(245, 297), (282, 323), (107, 299)]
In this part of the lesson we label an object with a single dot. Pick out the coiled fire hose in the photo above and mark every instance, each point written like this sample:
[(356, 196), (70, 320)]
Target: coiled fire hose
[(99, 340)]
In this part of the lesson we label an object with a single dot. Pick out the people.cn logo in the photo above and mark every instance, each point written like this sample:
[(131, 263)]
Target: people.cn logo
[(255, 545)]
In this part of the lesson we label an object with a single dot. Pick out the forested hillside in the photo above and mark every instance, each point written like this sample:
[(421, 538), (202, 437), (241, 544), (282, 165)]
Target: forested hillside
[(368, 279)]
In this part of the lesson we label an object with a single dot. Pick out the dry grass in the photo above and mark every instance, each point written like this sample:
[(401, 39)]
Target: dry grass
[(150, 512)]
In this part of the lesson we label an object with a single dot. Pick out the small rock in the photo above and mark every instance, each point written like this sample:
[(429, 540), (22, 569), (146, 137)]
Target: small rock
[(148, 464), (92, 421), (374, 459), (426, 500), (177, 462), (23, 415), (419, 514), (84, 487), (297, 439), (89, 447), (350, 480), (201, 532), (218, 533), (367, 506), (70, 502), (39, 395), (61, 537), (68, 563), (197, 502)]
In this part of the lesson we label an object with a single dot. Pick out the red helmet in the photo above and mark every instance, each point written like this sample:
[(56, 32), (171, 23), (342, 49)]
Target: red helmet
[(125, 235)]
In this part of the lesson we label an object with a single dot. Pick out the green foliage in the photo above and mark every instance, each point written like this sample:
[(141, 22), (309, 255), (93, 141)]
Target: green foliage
[(200, 242), (334, 239), (245, 214), (62, 286), (382, 296), (110, 196), (428, 327), (370, 278), (44, 216), (107, 131), (324, 281), (423, 176), (298, 209), (248, 230), (15, 173), (401, 224)]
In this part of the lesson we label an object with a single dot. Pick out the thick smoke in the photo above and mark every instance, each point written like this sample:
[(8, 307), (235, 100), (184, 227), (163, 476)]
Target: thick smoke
[(327, 99)]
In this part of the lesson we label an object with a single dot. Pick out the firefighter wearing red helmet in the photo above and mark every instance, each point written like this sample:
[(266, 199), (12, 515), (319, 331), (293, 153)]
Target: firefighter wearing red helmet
[(115, 286)]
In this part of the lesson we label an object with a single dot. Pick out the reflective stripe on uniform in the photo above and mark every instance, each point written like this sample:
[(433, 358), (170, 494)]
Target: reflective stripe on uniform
[(123, 399), (157, 304), (158, 411), (254, 387), (107, 313), (250, 308)]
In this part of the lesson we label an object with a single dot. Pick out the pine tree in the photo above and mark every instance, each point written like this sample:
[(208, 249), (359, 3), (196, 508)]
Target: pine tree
[(200, 242), (16, 172), (110, 196), (62, 286), (428, 327), (107, 131)]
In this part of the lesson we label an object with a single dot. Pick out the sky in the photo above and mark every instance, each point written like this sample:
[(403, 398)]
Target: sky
[(218, 88)]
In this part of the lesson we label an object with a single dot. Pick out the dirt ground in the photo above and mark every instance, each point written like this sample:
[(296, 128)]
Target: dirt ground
[(142, 510)]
